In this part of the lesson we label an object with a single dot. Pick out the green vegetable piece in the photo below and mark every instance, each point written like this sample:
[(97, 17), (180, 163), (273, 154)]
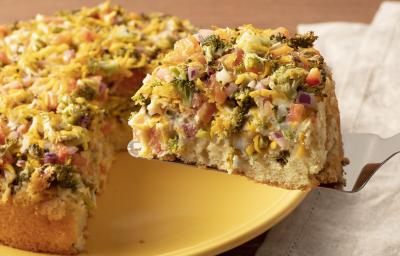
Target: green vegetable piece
[(106, 68), (66, 177), (287, 79), (173, 145), (253, 62), (35, 150), (283, 157), (185, 88), (304, 41), (213, 47), (85, 91), (244, 103)]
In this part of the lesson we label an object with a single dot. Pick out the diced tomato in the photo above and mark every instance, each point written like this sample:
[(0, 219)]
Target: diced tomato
[(206, 112), (239, 57), (154, 141), (4, 59), (256, 69), (62, 153), (4, 30), (314, 77), (3, 133), (71, 85), (8, 158), (62, 38), (79, 161), (131, 84), (106, 128), (2, 139), (218, 90), (198, 100), (296, 112), (88, 36)]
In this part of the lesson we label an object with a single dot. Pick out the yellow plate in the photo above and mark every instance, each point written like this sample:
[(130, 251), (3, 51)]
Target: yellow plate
[(153, 208)]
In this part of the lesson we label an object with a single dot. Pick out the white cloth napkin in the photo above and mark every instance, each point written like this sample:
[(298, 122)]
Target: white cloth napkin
[(365, 60)]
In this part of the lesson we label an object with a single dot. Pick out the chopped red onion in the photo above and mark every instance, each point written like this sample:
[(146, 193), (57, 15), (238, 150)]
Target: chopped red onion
[(192, 73), (85, 121), (306, 99), (21, 163), (278, 138), (259, 86), (189, 130), (50, 158), (231, 89)]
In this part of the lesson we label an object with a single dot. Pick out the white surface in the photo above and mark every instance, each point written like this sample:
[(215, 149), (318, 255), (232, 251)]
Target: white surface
[(365, 60)]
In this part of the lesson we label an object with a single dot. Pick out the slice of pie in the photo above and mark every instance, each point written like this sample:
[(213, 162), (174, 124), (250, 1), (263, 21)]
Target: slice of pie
[(248, 101), (65, 87)]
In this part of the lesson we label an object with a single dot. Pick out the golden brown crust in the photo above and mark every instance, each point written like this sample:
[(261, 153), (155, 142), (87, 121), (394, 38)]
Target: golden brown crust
[(332, 171), (23, 228)]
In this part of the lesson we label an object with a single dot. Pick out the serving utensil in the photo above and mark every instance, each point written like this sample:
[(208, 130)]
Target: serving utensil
[(366, 153)]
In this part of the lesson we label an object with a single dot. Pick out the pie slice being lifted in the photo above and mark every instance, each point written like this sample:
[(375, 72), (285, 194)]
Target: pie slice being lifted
[(65, 87), (248, 101)]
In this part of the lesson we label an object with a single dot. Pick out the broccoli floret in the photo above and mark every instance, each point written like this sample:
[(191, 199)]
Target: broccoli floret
[(139, 100), (105, 68), (74, 113), (173, 145), (279, 37), (66, 177), (244, 103), (253, 62), (239, 117), (243, 99), (35, 150), (85, 91), (185, 88), (213, 47), (304, 41)]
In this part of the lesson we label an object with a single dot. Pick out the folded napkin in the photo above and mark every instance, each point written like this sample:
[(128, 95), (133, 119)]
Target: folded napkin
[(365, 60)]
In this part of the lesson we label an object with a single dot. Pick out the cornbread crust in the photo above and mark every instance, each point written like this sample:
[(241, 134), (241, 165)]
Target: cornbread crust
[(22, 227), (333, 171)]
